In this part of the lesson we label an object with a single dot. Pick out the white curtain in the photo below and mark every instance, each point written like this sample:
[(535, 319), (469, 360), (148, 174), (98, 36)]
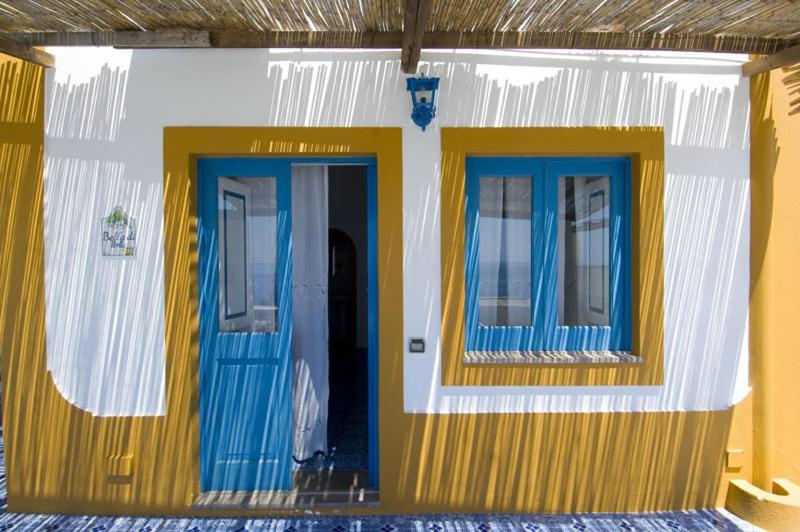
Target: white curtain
[(310, 309)]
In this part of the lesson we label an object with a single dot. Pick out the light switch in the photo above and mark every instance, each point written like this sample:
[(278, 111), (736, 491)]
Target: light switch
[(416, 345)]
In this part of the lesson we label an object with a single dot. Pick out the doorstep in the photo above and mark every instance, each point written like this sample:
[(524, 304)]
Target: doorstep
[(312, 489)]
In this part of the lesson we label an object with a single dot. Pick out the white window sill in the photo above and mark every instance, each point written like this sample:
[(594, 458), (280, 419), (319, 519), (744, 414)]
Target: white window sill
[(551, 357)]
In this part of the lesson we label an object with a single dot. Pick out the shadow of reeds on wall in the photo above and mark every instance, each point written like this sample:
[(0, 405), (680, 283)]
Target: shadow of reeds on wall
[(792, 83), (105, 136)]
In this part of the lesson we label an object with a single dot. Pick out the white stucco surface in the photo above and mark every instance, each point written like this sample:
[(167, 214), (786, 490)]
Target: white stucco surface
[(105, 110)]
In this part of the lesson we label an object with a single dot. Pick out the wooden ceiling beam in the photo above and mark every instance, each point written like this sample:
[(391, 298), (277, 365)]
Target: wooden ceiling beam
[(604, 41), (119, 39), (784, 58), (215, 39), (410, 44), (26, 52), (417, 13), (306, 39)]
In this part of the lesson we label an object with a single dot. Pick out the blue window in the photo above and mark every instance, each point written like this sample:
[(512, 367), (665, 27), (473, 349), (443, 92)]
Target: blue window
[(548, 254)]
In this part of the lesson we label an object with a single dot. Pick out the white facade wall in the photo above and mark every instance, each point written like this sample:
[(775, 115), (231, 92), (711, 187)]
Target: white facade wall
[(105, 110)]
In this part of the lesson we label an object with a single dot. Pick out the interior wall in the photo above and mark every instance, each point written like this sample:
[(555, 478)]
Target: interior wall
[(105, 113), (350, 417), (348, 208)]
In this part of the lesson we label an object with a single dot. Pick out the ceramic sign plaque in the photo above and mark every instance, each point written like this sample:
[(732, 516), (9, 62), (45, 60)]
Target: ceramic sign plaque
[(118, 234)]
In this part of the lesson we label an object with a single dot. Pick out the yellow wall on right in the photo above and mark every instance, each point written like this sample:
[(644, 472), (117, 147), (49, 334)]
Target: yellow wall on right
[(775, 275)]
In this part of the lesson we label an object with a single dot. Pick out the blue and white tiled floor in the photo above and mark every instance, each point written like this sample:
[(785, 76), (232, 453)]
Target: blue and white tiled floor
[(665, 521)]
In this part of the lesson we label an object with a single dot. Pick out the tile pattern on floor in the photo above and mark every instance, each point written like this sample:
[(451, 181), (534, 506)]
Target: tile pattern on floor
[(348, 428), (662, 521)]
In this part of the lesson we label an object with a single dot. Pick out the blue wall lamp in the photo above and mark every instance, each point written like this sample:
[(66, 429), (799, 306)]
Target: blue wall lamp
[(423, 99)]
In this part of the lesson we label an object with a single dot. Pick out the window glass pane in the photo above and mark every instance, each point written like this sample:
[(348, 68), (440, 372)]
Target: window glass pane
[(583, 250), (504, 254), (235, 237), (248, 232)]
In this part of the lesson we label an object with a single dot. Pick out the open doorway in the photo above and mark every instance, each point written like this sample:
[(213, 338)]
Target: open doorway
[(334, 391), (347, 318), (289, 346)]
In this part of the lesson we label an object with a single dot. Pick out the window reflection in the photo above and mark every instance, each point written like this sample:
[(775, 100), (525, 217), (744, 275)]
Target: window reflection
[(583, 250), (504, 254), (247, 234)]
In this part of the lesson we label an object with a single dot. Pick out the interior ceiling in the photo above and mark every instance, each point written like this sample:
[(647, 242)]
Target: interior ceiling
[(752, 18)]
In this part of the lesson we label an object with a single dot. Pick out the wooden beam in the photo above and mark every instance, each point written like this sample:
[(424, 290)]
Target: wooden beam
[(216, 39), (787, 57), (28, 53), (306, 39), (415, 22), (119, 39), (604, 41), (396, 39)]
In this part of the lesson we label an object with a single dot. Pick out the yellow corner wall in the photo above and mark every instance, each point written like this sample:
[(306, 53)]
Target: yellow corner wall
[(775, 285), (58, 456), (21, 258)]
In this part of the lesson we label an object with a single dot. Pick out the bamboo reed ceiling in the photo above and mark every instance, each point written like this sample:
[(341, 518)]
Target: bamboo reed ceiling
[(220, 15), (778, 19), (753, 18)]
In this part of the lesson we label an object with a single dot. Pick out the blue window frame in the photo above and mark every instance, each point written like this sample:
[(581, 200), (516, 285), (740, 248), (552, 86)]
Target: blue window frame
[(553, 272)]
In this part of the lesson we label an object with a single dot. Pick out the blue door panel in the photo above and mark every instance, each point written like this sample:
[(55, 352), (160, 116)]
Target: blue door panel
[(245, 377)]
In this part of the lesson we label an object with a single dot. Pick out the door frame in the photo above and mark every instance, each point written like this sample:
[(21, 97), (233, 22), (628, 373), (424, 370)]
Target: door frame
[(372, 288), (182, 146)]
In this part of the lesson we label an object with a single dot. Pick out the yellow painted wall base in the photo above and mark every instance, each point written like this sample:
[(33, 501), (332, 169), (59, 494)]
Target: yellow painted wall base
[(503, 463)]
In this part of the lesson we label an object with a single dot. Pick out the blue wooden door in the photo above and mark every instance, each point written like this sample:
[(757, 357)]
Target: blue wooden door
[(244, 253)]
